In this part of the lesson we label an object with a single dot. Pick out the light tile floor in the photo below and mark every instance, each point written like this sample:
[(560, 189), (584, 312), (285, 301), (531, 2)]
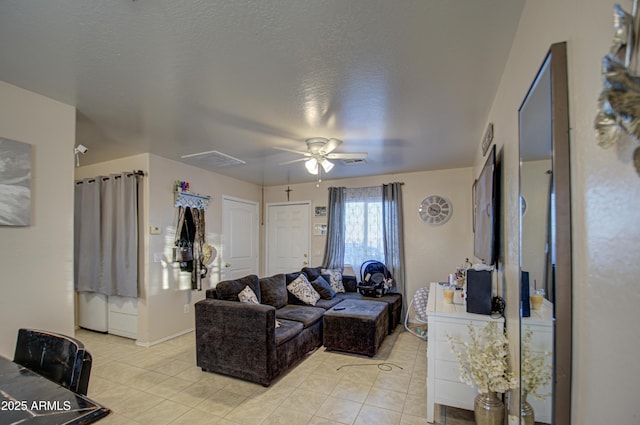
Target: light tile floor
[(162, 385)]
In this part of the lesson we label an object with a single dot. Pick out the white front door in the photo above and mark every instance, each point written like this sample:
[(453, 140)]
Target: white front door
[(240, 233), (288, 237)]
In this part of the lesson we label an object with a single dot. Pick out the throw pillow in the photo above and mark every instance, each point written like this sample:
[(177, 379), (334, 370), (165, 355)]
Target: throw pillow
[(303, 290), (335, 279), (312, 272), (323, 288), (229, 289), (248, 296)]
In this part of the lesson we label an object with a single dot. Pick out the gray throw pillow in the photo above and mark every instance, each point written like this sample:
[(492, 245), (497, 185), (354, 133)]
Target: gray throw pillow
[(323, 288), (312, 272)]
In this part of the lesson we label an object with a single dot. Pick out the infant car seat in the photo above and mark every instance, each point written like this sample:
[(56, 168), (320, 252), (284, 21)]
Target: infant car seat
[(375, 279)]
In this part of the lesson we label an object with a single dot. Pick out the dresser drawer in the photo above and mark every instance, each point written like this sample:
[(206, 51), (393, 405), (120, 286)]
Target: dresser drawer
[(448, 370), (458, 329), (541, 339), (455, 394)]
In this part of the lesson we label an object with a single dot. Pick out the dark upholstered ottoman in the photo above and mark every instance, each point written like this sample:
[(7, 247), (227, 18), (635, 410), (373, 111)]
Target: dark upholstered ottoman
[(356, 326), (395, 309)]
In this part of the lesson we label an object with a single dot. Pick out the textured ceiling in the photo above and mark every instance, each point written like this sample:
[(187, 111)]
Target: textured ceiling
[(410, 81)]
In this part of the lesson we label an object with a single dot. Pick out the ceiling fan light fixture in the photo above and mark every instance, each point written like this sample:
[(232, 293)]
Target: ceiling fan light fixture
[(312, 166), (326, 165)]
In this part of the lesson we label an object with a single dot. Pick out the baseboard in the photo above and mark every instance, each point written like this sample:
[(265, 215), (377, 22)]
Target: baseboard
[(160, 341)]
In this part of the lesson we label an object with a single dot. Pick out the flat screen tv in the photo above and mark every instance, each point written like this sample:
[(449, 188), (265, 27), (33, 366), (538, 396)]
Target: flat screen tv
[(485, 210)]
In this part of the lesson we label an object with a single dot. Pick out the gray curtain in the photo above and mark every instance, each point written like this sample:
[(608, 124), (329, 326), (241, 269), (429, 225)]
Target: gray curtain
[(393, 231), (106, 235), (334, 247)]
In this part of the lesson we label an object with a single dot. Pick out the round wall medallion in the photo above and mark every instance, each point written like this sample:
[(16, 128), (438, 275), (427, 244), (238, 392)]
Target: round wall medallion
[(435, 210)]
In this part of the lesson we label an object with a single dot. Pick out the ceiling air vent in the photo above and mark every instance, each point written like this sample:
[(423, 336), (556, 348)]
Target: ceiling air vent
[(358, 161), (213, 159)]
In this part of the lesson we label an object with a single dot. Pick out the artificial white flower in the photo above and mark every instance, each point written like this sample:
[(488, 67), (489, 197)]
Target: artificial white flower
[(534, 370), (483, 359)]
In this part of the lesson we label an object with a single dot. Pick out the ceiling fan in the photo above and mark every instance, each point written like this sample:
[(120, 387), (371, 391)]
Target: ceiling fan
[(319, 152)]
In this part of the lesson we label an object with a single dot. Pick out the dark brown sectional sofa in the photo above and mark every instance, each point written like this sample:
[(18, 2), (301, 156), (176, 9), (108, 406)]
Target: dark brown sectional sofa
[(242, 340)]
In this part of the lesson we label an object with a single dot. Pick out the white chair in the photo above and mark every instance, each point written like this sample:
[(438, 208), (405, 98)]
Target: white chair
[(419, 306)]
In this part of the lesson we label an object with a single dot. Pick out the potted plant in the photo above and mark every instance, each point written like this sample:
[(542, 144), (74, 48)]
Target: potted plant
[(483, 364)]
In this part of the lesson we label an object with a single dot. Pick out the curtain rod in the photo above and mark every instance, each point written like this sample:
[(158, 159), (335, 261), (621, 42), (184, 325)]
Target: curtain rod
[(117, 176)]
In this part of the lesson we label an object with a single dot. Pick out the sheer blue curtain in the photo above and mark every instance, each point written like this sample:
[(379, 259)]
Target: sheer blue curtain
[(334, 247), (363, 226), (393, 229)]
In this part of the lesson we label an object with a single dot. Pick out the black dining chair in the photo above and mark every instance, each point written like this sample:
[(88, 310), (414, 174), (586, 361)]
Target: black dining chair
[(57, 357)]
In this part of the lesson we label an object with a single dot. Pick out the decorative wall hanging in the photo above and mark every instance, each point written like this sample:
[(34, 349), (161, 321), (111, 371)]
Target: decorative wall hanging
[(488, 138), (619, 101), (191, 250), (191, 200), (15, 183)]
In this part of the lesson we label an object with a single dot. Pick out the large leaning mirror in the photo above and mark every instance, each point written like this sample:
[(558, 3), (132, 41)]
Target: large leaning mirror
[(545, 245)]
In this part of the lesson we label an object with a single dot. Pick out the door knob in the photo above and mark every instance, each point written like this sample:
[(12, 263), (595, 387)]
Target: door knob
[(305, 255), (227, 265), (305, 263)]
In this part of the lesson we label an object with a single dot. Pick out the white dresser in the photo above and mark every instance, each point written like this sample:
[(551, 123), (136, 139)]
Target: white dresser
[(443, 373)]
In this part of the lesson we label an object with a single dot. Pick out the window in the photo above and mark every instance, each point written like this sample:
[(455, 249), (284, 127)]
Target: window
[(363, 226)]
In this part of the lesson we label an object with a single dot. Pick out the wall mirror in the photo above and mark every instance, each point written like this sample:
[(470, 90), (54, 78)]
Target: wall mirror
[(545, 241)]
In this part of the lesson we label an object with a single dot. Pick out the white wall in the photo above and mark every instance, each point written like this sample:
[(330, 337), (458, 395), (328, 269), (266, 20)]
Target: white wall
[(605, 205), (431, 252), (166, 290), (36, 286), (169, 289)]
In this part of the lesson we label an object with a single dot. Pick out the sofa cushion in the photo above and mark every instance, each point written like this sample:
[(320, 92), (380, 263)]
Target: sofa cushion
[(350, 283), (335, 279), (303, 290), (248, 296), (350, 296), (312, 272), (323, 288), (274, 290), (290, 277), (229, 289), (327, 304), (300, 313), (287, 330)]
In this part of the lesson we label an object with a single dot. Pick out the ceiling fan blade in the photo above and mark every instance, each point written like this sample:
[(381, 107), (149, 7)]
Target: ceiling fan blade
[(330, 146), (353, 155), (294, 161), (292, 150)]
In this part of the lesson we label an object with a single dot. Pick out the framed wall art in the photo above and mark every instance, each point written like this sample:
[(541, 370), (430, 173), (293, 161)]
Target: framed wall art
[(321, 211), (320, 229), (15, 183), (488, 138)]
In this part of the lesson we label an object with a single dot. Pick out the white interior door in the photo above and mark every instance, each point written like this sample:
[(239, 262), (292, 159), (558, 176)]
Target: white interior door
[(240, 234), (288, 237)]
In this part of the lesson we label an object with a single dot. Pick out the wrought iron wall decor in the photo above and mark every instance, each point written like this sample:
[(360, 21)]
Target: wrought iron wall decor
[(184, 199), (619, 101)]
